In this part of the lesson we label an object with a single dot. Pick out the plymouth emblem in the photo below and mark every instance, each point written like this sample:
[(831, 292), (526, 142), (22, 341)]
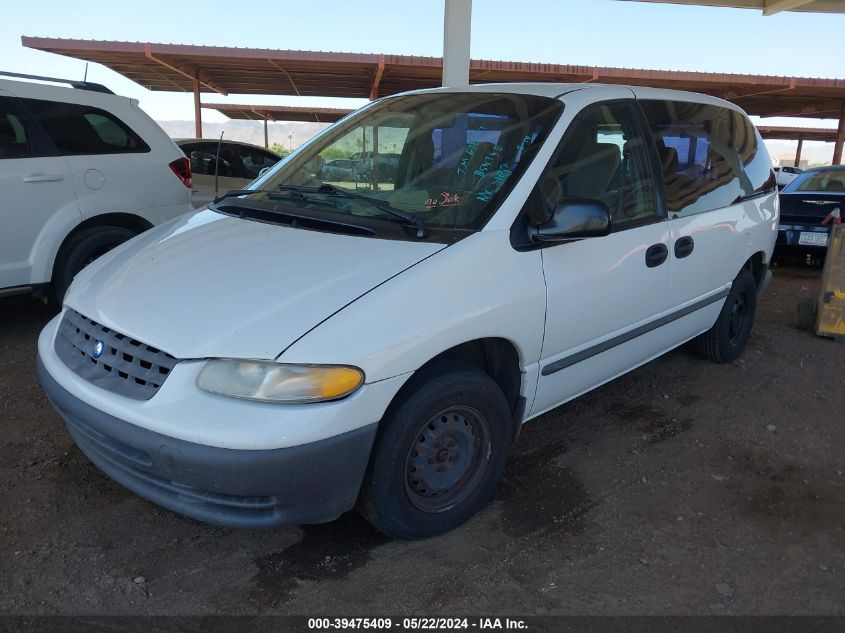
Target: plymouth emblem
[(98, 348)]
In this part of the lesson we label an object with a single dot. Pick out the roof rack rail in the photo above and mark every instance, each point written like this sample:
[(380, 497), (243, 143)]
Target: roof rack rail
[(80, 85)]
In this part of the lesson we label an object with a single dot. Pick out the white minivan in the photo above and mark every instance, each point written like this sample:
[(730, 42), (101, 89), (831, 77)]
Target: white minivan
[(81, 171), (288, 354)]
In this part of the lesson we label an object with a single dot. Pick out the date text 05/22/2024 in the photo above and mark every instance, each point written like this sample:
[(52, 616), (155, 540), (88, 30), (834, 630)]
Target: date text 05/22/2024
[(417, 624)]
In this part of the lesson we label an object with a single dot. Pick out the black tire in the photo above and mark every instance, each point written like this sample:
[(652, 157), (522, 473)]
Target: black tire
[(464, 417), (725, 341), (80, 250), (805, 315)]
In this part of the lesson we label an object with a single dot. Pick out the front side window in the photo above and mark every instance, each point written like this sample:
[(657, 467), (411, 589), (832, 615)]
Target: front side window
[(80, 129), (202, 157), (823, 180), (228, 160), (13, 139), (231, 164), (711, 157), (445, 159), (254, 160), (603, 157)]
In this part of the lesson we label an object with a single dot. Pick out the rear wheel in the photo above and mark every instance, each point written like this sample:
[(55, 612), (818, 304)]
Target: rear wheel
[(726, 340), (439, 452), (81, 249)]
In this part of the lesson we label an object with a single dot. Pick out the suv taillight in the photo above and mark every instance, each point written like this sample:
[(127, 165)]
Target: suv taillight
[(182, 168)]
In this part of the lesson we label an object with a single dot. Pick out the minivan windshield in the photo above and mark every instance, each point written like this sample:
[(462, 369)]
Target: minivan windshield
[(438, 160), (822, 180)]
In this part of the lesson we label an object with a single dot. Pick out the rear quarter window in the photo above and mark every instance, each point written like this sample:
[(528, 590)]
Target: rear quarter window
[(711, 157), (77, 129), (14, 142)]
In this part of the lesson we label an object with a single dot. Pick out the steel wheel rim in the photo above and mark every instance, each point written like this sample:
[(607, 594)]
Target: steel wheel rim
[(739, 312), (447, 459)]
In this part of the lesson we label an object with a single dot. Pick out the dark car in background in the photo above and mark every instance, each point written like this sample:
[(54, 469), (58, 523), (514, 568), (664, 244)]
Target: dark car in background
[(387, 166), (340, 169), (815, 196), (220, 166)]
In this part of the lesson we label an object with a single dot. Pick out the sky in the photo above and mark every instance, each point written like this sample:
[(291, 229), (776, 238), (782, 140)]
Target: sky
[(589, 32)]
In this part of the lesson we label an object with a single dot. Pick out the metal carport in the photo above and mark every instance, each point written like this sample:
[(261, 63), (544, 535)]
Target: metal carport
[(267, 113), (224, 70)]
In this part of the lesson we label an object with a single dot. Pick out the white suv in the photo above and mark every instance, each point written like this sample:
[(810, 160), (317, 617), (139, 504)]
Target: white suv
[(81, 170), (786, 175), (289, 353)]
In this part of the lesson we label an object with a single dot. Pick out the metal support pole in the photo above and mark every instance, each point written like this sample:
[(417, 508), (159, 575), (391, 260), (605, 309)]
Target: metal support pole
[(375, 163), (266, 138), (197, 108), (798, 151), (457, 26), (377, 79), (840, 138)]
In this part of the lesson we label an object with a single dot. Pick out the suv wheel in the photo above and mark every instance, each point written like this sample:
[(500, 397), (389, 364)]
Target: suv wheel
[(725, 341), (439, 452), (82, 249)]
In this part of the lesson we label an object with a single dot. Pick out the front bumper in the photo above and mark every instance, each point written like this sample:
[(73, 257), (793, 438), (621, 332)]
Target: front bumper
[(310, 483)]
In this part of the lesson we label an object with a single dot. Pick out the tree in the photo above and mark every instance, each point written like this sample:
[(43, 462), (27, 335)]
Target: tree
[(277, 148)]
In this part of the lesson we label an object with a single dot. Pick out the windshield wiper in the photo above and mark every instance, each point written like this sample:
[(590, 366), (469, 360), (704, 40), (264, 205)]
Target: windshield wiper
[(237, 192), (334, 191), (299, 220), (234, 193), (331, 190)]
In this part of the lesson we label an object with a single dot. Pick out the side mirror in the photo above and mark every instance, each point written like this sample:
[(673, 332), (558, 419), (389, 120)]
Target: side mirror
[(573, 219)]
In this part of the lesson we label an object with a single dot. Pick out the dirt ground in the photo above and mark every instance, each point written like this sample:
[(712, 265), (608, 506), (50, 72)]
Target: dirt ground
[(682, 488)]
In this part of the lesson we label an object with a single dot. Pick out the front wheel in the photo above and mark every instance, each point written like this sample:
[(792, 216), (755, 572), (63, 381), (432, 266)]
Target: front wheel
[(726, 340), (439, 452)]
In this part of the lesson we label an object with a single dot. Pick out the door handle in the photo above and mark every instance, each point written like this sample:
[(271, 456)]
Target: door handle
[(684, 246), (43, 178), (656, 255)]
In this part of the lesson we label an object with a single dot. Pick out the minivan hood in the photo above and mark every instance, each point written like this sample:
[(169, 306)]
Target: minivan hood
[(210, 285)]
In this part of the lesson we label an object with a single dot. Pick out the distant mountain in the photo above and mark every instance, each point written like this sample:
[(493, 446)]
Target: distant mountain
[(247, 131), (813, 152)]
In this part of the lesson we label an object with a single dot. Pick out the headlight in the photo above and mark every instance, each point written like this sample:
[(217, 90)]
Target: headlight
[(276, 382)]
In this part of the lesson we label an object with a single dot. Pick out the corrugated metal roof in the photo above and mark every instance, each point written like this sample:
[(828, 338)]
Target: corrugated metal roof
[(768, 7), (790, 133), (278, 113), (227, 70)]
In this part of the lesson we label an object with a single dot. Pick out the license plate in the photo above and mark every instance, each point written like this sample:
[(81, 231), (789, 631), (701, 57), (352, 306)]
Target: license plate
[(808, 238)]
